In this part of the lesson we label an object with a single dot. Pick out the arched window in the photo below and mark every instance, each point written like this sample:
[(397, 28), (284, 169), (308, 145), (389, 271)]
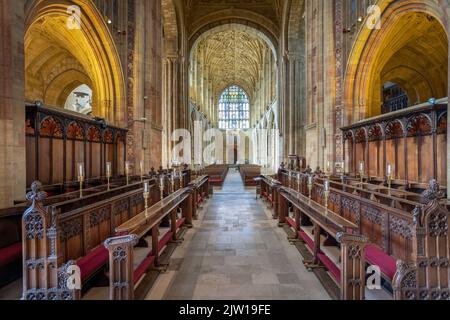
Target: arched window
[(80, 100), (234, 109)]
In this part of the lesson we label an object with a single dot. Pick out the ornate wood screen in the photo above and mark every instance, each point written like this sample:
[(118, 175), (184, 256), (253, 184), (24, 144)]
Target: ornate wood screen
[(413, 141), (57, 140)]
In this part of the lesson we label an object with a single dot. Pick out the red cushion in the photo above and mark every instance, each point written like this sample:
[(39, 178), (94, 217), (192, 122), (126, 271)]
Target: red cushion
[(180, 222), (10, 254), (93, 261), (291, 222), (378, 257), (270, 198), (199, 200), (215, 180), (331, 266), (164, 240), (143, 267), (309, 242)]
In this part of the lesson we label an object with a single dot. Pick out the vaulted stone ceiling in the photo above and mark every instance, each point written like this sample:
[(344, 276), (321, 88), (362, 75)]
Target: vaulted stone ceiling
[(270, 9), (233, 56)]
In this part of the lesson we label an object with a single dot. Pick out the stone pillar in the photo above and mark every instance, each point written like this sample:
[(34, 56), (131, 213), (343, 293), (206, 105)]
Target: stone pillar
[(445, 4), (12, 107)]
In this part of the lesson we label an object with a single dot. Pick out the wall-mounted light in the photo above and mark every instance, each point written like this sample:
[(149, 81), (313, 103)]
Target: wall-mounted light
[(432, 101), (360, 19)]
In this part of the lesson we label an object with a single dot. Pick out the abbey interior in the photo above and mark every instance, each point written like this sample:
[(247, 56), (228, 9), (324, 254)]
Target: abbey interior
[(224, 150)]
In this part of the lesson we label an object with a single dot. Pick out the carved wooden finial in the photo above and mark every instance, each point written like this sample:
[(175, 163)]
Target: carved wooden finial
[(36, 195), (433, 192)]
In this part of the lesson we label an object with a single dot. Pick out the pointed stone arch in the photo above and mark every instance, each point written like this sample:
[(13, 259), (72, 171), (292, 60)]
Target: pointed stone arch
[(80, 51)]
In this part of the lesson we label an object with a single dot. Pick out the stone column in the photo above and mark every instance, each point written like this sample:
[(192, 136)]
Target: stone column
[(12, 107)]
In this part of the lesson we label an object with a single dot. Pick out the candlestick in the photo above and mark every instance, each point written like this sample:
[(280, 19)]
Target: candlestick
[(172, 180), (81, 177), (108, 172), (361, 171), (146, 194), (127, 171), (310, 185), (389, 175), (326, 193), (161, 186), (298, 181), (328, 168)]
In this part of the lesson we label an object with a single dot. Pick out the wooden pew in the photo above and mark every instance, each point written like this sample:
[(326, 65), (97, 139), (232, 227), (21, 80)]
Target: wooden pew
[(249, 173), (269, 191), (349, 274), (82, 225), (124, 278), (217, 174), (11, 226), (10, 244), (201, 192)]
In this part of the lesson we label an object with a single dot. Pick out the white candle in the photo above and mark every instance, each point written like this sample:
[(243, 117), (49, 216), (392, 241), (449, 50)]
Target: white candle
[(389, 170), (310, 180), (361, 166), (141, 166), (81, 169), (108, 169), (146, 189), (327, 185), (328, 166), (161, 181), (127, 168)]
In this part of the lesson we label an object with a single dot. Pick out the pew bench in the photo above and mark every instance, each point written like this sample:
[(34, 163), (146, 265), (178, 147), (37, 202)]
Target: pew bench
[(217, 174), (404, 234), (249, 173), (349, 274), (126, 274)]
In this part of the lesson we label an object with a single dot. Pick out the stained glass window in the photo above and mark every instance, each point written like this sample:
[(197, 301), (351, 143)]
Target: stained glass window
[(234, 109)]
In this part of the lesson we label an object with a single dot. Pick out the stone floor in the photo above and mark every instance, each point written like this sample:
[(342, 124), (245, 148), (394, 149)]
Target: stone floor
[(236, 251)]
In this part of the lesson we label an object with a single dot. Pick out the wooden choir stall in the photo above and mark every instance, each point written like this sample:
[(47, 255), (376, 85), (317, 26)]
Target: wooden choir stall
[(404, 234)]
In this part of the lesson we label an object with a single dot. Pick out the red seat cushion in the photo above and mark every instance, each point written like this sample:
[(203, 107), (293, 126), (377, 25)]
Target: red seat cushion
[(291, 222), (165, 240), (180, 222), (378, 257), (331, 266), (309, 242), (143, 267), (215, 180), (93, 261), (10, 254), (199, 200)]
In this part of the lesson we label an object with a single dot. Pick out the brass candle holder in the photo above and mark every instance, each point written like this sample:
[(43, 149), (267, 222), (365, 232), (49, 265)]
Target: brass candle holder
[(108, 173), (127, 172), (81, 180), (326, 193), (161, 187), (81, 177), (146, 194), (310, 186), (290, 179), (172, 181)]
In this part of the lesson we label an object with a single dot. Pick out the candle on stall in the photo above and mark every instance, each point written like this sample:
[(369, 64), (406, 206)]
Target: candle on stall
[(389, 170), (343, 166), (127, 168), (361, 166), (161, 181), (108, 169), (327, 185), (141, 166), (146, 187), (310, 180), (81, 169), (328, 166)]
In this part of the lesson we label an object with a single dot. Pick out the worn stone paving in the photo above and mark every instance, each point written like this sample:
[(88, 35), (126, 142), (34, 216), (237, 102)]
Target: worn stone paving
[(237, 252)]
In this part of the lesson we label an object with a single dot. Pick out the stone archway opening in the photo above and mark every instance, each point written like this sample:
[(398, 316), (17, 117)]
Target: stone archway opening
[(67, 44), (410, 50)]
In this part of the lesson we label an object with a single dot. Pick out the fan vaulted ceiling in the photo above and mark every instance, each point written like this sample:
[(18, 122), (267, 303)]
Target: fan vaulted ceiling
[(233, 56)]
